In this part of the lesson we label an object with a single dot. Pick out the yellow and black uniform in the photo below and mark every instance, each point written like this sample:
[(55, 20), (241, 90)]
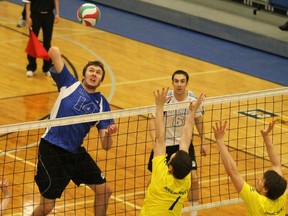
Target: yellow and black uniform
[(258, 205), (165, 194)]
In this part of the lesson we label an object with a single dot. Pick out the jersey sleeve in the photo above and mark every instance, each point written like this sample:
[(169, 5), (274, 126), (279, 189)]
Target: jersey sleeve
[(249, 195), (64, 78)]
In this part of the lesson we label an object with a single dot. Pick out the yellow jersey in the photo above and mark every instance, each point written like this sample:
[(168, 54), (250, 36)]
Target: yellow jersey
[(258, 205), (165, 194)]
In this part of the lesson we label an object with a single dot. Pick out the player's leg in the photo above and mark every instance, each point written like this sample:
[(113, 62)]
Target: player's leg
[(44, 207), (47, 27), (32, 63), (103, 193), (87, 172), (52, 175)]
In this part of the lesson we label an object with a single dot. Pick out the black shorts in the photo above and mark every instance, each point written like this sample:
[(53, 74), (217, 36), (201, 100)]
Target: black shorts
[(171, 150), (56, 167)]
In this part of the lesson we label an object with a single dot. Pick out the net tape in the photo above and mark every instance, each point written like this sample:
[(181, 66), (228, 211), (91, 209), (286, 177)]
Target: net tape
[(137, 111)]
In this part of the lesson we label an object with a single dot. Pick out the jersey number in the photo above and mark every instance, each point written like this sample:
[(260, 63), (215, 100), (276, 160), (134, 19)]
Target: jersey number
[(173, 205), (178, 120), (87, 108)]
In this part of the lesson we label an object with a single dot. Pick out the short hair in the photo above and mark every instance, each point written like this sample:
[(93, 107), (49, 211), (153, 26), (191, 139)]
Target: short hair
[(95, 63), (181, 164), (182, 72), (275, 184)]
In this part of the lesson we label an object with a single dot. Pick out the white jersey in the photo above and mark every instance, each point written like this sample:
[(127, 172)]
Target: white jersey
[(175, 119)]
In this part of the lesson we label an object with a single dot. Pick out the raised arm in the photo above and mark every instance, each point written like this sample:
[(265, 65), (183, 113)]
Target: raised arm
[(228, 162), (159, 147), (56, 57), (273, 156), (4, 187), (187, 130)]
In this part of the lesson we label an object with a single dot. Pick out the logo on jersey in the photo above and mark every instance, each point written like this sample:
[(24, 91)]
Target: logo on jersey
[(194, 164), (102, 176)]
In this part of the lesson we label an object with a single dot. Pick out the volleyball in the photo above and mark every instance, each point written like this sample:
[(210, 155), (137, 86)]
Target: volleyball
[(88, 14)]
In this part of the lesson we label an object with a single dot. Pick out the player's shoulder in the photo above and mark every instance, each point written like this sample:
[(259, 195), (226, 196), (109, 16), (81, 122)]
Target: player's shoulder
[(172, 99), (170, 93), (191, 96)]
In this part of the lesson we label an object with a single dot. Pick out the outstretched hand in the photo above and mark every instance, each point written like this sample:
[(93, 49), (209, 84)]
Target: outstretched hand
[(268, 129), (194, 105), (111, 129), (161, 97), (219, 130), (4, 187)]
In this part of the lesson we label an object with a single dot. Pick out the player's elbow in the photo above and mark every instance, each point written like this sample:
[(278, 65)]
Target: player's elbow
[(53, 51)]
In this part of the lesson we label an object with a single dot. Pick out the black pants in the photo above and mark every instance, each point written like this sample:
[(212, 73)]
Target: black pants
[(45, 22), (23, 14)]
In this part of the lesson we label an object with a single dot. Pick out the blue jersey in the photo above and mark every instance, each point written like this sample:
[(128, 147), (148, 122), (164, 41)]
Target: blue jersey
[(74, 100)]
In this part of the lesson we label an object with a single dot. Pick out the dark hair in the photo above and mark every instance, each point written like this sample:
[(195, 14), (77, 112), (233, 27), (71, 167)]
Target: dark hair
[(275, 184), (182, 73), (181, 164), (95, 63)]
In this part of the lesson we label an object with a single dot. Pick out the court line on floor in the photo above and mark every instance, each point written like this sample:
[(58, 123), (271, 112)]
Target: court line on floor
[(117, 198), (164, 77)]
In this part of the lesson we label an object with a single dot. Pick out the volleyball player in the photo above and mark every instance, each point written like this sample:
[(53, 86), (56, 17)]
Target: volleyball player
[(174, 122), (170, 181), (61, 157), (269, 196)]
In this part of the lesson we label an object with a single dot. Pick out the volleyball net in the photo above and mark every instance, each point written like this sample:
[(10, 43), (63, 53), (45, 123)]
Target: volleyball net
[(125, 164)]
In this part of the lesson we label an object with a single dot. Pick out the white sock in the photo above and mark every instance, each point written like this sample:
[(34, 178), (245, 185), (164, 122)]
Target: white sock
[(193, 213)]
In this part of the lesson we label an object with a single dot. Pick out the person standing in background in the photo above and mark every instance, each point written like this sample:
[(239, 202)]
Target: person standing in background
[(170, 181), (40, 15), (174, 122)]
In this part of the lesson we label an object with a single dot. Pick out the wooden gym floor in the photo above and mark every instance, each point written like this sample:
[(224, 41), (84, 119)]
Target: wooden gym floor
[(134, 70)]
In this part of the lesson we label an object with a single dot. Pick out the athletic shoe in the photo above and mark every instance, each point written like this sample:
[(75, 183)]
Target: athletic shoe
[(29, 73), (21, 22), (48, 74), (284, 27)]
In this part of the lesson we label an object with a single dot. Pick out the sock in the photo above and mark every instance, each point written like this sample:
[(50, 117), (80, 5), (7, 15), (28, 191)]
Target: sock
[(193, 213)]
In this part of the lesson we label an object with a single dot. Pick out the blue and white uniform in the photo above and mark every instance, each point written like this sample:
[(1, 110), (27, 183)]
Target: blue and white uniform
[(175, 119), (174, 122), (74, 100)]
